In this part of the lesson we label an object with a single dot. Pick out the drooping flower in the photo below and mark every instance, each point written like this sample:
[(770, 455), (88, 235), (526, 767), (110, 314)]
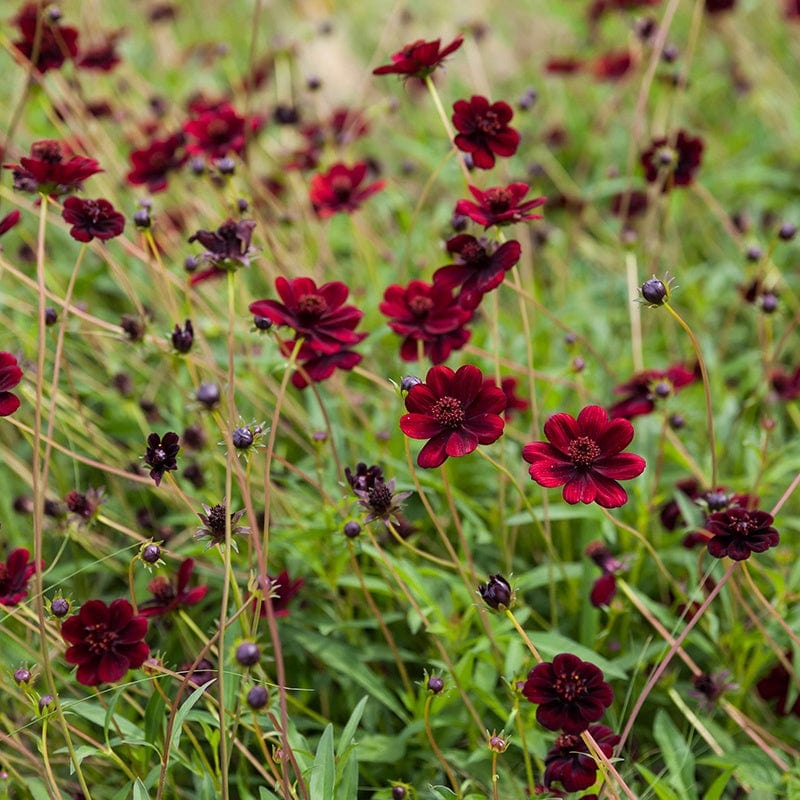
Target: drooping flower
[(569, 762), (605, 587), (419, 59), (49, 46), (499, 205), (279, 591), (161, 454), (455, 411), (105, 641), (571, 693), (375, 494), (151, 164), (339, 190), (10, 376), (483, 130), (47, 170), (584, 455), (92, 219), (673, 161), (641, 392), (214, 524), (479, 267), (169, 596), (228, 247), (428, 313), (218, 131), (737, 532), (316, 313), (14, 577)]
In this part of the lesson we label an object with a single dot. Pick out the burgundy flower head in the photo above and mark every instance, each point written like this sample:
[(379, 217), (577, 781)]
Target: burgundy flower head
[(47, 170), (777, 685), (513, 401), (56, 43), (105, 641), (483, 130), (92, 219), (316, 313), (612, 66), (161, 454), (151, 164), (737, 532), (218, 130), (569, 763), (279, 592), (14, 577), (10, 376), (228, 247), (785, 385), (455, 411), (169, 596), (479, 267), (571, 693), (419, 59), (643, 389), (426, 313), (584, 455), (675, 162), (563, 65), (339, 190), (499, 205), (103, 57)]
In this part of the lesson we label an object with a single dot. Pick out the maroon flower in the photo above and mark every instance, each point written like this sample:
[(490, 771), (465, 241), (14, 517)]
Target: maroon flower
[(228, 247), (777, 685), (56, 43), (314, 367), (170, 597), (585, 456), (673, 161), (479, 267), (513, 402), (103, 57), (419, 59), (218, 130), (568, 761), (151, 164), (106, 641), (785, 385), (339, 190), (603, 590), (10, 376), (9, 221), (456, 411), (612, 66), (737, 532), (563, 65), (316, 313), (483, 130), (499, 205), (14, 577), (629, 204), (92, 219), (426, 313), (571, 693), (644, 388), (46, 171), (280, 591), (161, 454), (791, 10)]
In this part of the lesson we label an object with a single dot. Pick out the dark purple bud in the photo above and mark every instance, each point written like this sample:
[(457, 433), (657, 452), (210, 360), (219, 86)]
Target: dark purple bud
[(655, 292), (59, 607), (50, 316), (435, 684), (408, 381), (22, 675), (242, 438), (141, 219), (248, 654), (352, 529), (787, 231), (257, 697), (262, 323), (496, 592), (183, 338), (208, 394), (151, 553)]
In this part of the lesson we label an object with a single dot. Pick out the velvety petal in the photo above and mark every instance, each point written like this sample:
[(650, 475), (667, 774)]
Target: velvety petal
[(718, 546), (334, 292), (580, 488), (111, 667), (451, 275), (87, 674), (460, 443), (468, 383), (137, 654), (490, 400), (482, 157), (78, 653), (608, 493), (434, 454), (9, 403), (184, 574), (195, 595), (133, 631), (593, 422), (420, 426), (622, 466), (551, 716), (440, 381), (120, 613), (94, 612), (561, 429), (486, 428), (420, 399), (617, 436)]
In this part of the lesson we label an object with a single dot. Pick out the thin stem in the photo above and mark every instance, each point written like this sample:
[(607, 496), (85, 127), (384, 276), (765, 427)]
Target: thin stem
[(437, 101), (525, 638), (437, 751)]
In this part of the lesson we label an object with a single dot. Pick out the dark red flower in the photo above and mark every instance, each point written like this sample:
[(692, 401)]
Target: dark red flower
[(48, 171), (629, 204), (737, 532), (479, 267), (14, 577), (228, 247), (513, 402), (92, 219), (152, 164), (605, 587), (10, 376), (786, 386), (643, 390), (161, 454), (603, 590), (419, 59), (218, 130), (483, 130), (716, 6), (56, 43), (103, 57), (791, 9), (279, 592), (426, 313), (571, 693), (585, 456), (612, 66), (777, 685), (168, 596), (563, 65), (673, 161), (339, 190), (456, 411), (499, 205), (105, 641), (568, 761), (9, 221), (316, 313)]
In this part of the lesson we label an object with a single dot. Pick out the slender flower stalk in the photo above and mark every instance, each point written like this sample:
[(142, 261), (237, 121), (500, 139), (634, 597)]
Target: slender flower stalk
[(448, 770), (437, 101)]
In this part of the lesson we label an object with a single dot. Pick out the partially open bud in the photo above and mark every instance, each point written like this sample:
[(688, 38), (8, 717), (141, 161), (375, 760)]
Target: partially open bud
[(496, 593)]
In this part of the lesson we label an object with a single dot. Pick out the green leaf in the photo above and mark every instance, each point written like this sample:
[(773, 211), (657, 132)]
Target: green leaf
[(266, 794), (180, 717), (550, 643), (659, 787), (140, 790), (677, 755), (323, 771), (718, 786), (37, 789), (350, 728), (97, 715), (347, 782)]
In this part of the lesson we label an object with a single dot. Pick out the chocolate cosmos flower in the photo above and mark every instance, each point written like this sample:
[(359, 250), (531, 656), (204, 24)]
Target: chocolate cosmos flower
[(92, 219), (161, 454), (48, 171), (228, 247), (675, 161), (499, 205), (642, 390), (168, 596), (10, 376), (53, 44), (419, 59), (339, 190), (483, 130), (14, 577), (737, 532), (569, 762), (151, 164)]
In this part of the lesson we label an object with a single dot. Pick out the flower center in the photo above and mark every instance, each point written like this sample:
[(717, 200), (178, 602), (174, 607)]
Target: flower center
[(583, 451), (161, 589), (342, 187), (49, 152), (380, 498), (448, 412), (743, 526), (217, 129), (569, 741), (489, 123), (311, 306), (159, 455), (498, 200), (158, 161), (472, 253), (420, 305), (216, 519), (100, 640), (569, 686)]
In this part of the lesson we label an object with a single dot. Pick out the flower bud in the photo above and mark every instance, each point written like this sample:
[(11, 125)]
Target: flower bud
[(151, 553), (262, 323), (59, 607), (435, 684), (257, 697), (655, 291), (242, 438), (407, 382), (141, 219), (208, 394), (352, 529), (22, 675), (496, 592), (787, 231), (248, 654)]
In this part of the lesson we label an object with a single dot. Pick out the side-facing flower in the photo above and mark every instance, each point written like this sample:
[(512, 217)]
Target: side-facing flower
[(161, 454), (499, 205), (419, 59), (92, 219), (455, 411), (673, 161), (170, 596), (483, 130), (47, 170), (45, 43), (214, 524), (737, 532), (340, 190), (569, 762), (641, 392), (571, 693), (376, 495), (150, 165), (105, 641), (228, 247), (14, 577), (313, 367), (10, 376), (217, 131), (584, 455), (279, 591)]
